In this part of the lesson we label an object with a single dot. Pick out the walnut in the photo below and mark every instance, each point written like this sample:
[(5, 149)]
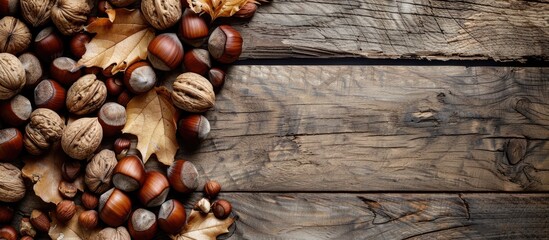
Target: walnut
[(44, 128), (81, 138), (161, 14), (12, 76), (70, 16), (37, 12), (15, 36), (193, 93), (119, 233), (13, 188), (86, 95), (99, 171)]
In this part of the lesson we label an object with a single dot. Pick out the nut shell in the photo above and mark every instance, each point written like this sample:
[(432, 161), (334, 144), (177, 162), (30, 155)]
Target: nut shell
[(161, 14), (81, 138), (70, 16), (44, 128), (193, 93), (99, 171), (36, 12), (13, 188), (15, 36), (86, 95), (114, 207), (12, 76)]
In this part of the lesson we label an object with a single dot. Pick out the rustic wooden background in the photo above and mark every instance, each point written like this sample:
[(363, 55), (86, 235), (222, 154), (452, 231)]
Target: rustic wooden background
[(354, 151)]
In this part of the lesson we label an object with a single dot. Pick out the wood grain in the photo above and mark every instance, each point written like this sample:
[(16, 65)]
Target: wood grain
[(379, 128), (389, 216), (417, 29)]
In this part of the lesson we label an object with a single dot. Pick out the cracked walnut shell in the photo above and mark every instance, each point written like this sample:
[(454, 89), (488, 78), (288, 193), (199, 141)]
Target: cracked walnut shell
[(15, 36), (37, 12), (12, 76), (86, 95), (81, 138), (161, 14), (70, 16), (99, 171), (13, 188), (44, 128), (193, 93)]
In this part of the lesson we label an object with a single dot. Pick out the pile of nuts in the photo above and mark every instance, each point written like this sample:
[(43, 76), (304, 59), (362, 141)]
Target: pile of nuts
[(40, 88)]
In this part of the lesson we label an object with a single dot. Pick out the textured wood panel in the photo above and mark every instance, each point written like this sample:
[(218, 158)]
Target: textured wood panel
[(390, 216), (379, 128), (430, 29)]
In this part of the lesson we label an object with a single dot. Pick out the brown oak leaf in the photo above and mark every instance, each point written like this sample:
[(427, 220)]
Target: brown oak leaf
[(121, 39), (218, 8), (45, 172), (201, 226), (153, 119), (71, 229)]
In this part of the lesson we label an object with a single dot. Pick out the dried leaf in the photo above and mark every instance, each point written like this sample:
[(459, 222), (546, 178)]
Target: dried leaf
[(153, 119), (121, 39), (70, 230), (45, 172), (218, 8), (200, 226)]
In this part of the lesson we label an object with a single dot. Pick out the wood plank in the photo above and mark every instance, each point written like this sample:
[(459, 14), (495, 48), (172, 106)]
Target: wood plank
[(379, 128), (390, 216), (424, 29)]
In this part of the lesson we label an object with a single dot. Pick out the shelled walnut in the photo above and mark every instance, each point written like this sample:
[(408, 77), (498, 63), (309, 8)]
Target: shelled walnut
[(44, 128)]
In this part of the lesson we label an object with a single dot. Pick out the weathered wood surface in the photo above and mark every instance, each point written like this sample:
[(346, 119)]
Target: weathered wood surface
[(427, 29), (379, 128), (390, 216)]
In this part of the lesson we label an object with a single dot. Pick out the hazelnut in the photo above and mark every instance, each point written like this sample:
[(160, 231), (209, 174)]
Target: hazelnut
[(70, 170), (217, 78), (11, 144), (139, 78), (114, 207), (246, 11), (197, 61), (48, 45), (112, 117), (99, 171), (70, 16), (13, 188), (142, 224), (86, 95), (67, 189), (88, 219), (65, 210), (9, 7), (203, 205), (221, 208), (6, 214), (8, 233), (193, 128), (193, 29), (33, 69), (119, 233), (193, 93), (15, 36), (212, 188), (161, 14), (225, 44), (81, 138), (155, 189), (129, 174), (44, 128), (12, 76), (121, 144), (183, 176), (165, 52), (115, 86), (26, 228), (89, 200), (124, 98), (16, 111), (63, 70), (49, 94), (172, 216), (40, 221), (26, 238), (78, 44), (36, 12)]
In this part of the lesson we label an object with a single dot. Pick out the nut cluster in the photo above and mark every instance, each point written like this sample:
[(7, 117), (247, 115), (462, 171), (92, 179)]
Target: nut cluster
[(46, 101)]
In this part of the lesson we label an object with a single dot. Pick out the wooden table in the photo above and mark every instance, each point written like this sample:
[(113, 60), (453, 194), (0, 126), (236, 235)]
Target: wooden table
[(325, 143)]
